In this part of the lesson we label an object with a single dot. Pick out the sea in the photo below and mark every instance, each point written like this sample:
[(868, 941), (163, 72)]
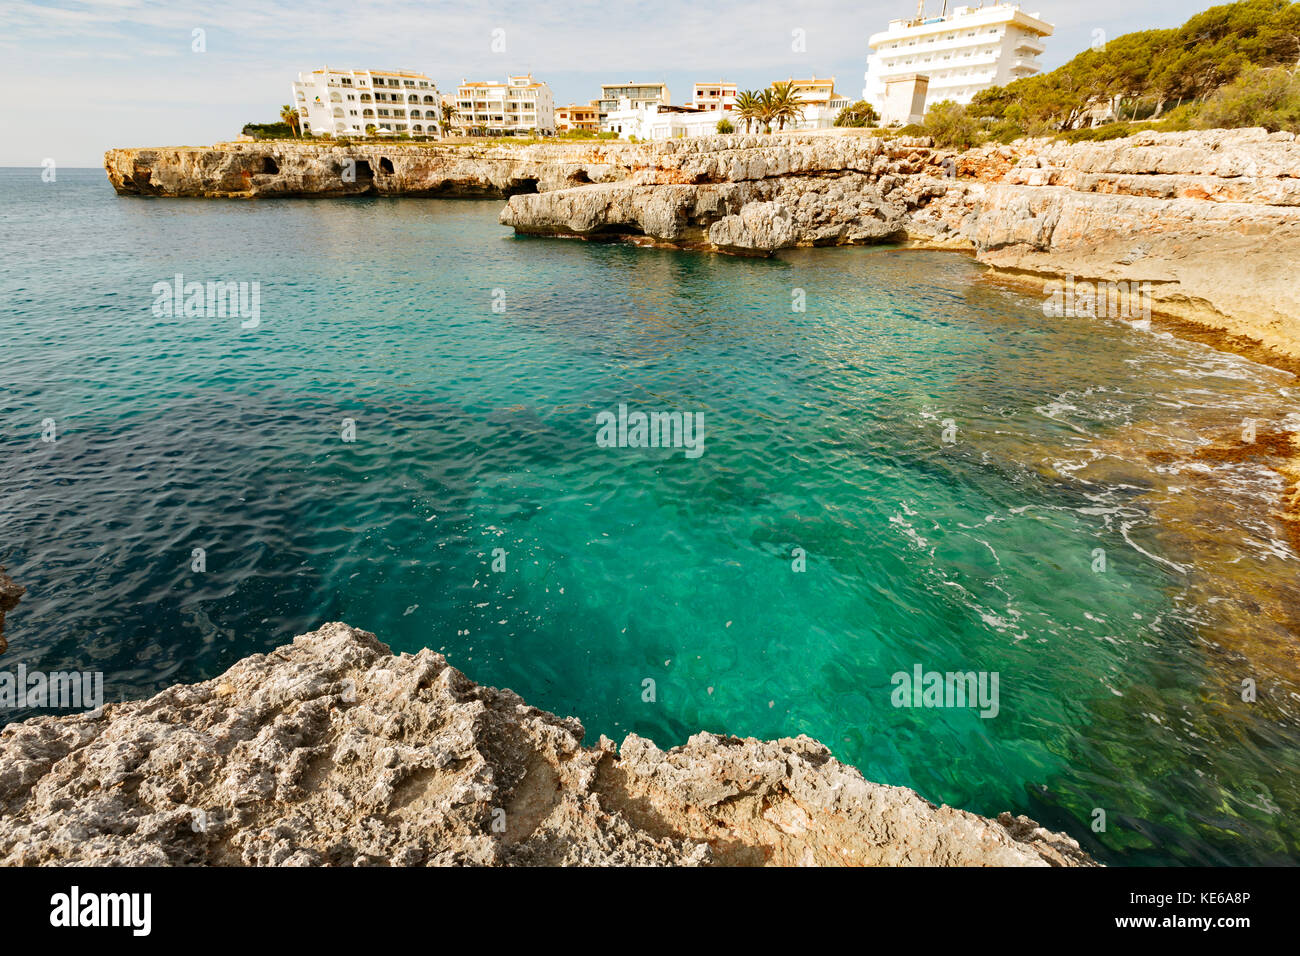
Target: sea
[(875, 467)]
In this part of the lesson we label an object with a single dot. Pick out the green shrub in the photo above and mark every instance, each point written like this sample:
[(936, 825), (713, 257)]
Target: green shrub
[(268, 130), (1098, 133), (1258, 97), (724, 126), (951, 126)]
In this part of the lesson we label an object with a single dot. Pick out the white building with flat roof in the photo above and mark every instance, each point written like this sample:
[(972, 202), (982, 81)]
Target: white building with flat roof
[(641, 94), (650, 122), (959, 54), (519, 106), (344, 102)]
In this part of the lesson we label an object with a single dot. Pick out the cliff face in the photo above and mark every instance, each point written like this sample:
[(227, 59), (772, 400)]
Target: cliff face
[(250, 170), (332, 751), (1210, 219), (749, 195)]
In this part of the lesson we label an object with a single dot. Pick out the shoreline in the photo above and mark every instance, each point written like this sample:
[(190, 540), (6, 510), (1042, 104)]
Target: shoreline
[(1268, 446)]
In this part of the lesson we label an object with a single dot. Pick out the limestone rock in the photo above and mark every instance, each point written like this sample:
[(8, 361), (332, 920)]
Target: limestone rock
[(758, 227), (333, 751)]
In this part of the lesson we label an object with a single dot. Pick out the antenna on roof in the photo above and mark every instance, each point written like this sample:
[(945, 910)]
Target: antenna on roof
[(920, 9)]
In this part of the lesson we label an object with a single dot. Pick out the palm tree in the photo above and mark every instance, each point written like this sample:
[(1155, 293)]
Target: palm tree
[(448, 116), (747, 108), (289, 116), (785, 104), (766, 110)]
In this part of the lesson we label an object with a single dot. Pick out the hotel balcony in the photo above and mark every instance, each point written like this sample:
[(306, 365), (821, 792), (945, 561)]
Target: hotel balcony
[(1029, 46), (893, 66)]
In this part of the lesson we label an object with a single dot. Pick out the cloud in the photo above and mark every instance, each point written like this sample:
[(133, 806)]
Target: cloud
[(131, 60)]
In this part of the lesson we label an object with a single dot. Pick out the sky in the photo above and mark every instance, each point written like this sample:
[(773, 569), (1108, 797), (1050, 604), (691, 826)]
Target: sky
[(88, 75)]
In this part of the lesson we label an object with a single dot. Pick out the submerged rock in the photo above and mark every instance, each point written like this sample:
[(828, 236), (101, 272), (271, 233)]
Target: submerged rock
[(333, 751), (10, 594)]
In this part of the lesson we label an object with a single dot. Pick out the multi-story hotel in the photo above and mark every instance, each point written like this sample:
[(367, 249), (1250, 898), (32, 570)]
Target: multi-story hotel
[(820, 103), (519, 106), (575, 117), (639, 94), (714, 96), (955, 55), (345, 102)]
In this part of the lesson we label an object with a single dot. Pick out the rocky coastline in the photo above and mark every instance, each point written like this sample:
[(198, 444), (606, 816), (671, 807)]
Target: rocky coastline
[(1209, 221), (1205, 224), (333, 751)]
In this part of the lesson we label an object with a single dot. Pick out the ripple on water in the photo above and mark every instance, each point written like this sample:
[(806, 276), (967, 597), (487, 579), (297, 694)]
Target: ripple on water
[(824, 432)]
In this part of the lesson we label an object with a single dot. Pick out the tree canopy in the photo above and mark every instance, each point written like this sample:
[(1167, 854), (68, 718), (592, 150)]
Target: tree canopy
[(1158, 67)]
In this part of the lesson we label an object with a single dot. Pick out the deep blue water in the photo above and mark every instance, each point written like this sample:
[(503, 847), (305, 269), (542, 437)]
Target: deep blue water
[(475, 430)]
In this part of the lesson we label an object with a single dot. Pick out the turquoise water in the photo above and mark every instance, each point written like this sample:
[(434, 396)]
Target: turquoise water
[(475, 430)]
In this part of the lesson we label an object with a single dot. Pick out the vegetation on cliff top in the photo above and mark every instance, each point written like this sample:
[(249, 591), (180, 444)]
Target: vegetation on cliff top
[(1231, 65)]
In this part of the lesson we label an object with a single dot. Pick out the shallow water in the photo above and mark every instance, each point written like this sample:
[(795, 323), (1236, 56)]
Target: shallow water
[(475, 430)]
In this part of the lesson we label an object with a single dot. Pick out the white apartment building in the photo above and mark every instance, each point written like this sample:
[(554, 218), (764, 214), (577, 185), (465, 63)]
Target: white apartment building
[(720, 95), (344, 102), (959, 54), (519, 106)]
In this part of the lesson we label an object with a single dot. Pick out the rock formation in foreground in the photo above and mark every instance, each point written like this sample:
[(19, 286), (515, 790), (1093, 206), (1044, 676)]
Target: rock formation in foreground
[(332, 751)]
